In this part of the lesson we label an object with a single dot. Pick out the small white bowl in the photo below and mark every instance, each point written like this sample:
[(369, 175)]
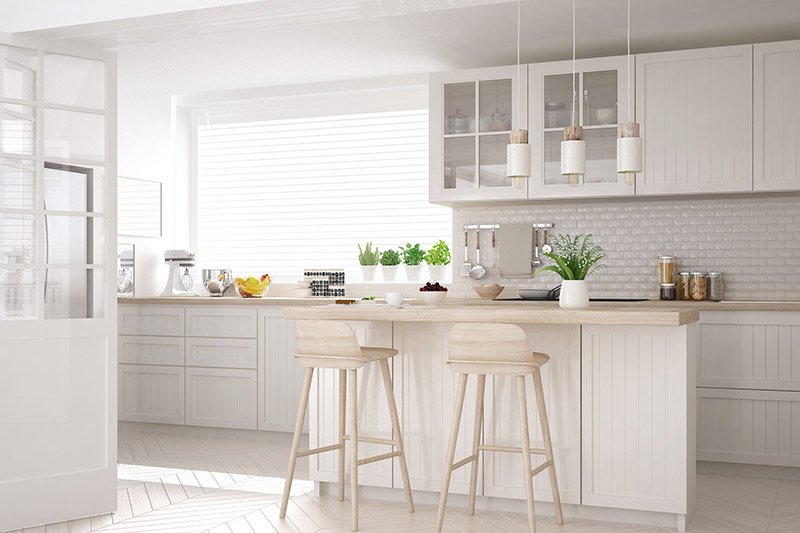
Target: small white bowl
[(433, 298), (302, 293), (394, 298)]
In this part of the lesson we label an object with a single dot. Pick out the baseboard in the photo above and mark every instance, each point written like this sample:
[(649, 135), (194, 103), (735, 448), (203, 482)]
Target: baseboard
[(789, 473), (199, 431)]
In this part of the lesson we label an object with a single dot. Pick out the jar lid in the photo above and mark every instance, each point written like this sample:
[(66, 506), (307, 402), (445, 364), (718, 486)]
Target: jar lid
[(666, 285), (664, 258), (683, 273), (715, 274), (698, 274)]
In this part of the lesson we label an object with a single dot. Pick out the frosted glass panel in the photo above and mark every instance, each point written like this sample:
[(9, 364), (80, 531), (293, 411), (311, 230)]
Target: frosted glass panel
[(18, 73), (67, 293), (459, 108), (459, 163), (600, 98), (74, 135), (558, 101), (495, 105), (601, 155), (68, 187), (67, 238), (17, 129), (17, 184), (552, 158), (493, 159), (17, 293), (138, 207), (81, 82), (17, 238)]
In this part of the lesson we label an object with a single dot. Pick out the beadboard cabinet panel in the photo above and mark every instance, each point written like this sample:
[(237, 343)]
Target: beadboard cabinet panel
[(151, 320), (561, 378), (144, 350), (221, 397), (776, 84), (741, 350), (696, 112), (221, 353), (151, 394), (373, 414), (215, 321), (638, 394), (749, 426)]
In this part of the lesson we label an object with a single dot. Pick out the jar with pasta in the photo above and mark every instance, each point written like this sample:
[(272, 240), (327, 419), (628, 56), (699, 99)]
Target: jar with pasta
[(697, 285)]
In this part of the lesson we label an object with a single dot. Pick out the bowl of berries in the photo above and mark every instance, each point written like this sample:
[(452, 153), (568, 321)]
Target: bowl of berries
[(433, 293)]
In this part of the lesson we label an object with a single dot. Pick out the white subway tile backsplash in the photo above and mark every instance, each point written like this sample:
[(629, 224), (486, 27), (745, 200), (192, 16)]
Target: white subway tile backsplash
[(755, 242)]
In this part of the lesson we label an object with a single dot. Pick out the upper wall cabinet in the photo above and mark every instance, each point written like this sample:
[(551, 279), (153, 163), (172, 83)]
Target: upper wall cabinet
[(471, 115), (776, 127), (600, 99), (696, 112)]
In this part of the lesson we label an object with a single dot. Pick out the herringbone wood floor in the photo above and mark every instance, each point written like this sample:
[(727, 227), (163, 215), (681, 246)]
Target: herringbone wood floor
[(181, 484)]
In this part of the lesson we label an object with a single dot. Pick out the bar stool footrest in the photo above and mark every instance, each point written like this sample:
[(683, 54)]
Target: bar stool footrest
[(375, 458), (541, 468), (323, 449), (463, 462), (509, 449), (373, 440)]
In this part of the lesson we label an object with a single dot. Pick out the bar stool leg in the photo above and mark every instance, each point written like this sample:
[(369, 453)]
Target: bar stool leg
[(342, 428), (526, 451), (451, 449), (398, 437), (298, 431), (548, 446), (476, 442), (354, 448)]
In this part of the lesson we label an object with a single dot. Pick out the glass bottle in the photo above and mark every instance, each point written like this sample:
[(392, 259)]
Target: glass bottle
[(587, 110)]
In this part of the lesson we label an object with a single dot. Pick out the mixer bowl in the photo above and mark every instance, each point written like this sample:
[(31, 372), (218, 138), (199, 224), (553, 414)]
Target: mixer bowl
[(217, 280)]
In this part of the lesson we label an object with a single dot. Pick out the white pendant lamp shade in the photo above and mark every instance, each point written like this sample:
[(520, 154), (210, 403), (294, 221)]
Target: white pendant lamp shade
[(518, 154), (629, 152), (573, 154)]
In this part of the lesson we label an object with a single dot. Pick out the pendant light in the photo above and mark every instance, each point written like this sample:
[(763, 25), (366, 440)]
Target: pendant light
[(518, 152), (629, 144), (573, 147)]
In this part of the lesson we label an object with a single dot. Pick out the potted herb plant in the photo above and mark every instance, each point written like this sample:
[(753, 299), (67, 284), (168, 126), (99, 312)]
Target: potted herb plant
[(575, 259), (390, 261), (437, 258), (412, 258), (368, 261)]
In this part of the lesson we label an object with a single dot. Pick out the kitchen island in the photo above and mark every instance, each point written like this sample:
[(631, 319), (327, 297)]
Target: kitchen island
[(620, 392)]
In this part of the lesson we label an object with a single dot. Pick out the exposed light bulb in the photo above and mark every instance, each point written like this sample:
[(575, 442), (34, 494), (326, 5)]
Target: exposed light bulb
[(630, 178), (519, 182), (574, 180)]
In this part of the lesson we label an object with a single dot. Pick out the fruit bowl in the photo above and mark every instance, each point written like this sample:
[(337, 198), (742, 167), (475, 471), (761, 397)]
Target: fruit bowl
[(252, 287), (433, 294), (489, 292)]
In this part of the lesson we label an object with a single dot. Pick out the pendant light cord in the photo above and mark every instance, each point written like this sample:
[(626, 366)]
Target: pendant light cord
[(630, 100), (519, 16), (574, 95)]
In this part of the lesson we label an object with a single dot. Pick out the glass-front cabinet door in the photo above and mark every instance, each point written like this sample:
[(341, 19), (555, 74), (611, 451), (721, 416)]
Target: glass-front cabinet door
[(599, 103), (471, 115)]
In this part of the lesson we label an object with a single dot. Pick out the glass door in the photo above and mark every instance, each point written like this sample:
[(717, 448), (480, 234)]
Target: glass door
[(598, 96), (57, 310)]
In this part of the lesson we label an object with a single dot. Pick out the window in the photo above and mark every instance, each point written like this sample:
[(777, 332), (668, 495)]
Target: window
[(278, 196)]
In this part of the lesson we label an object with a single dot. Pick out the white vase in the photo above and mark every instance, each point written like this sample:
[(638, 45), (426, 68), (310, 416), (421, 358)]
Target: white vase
[(368, 272), (413, 272), (574, 294), (438, 272), (389, 272)]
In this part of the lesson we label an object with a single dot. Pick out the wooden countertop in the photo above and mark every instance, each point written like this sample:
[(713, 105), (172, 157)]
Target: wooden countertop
[(278, 301)]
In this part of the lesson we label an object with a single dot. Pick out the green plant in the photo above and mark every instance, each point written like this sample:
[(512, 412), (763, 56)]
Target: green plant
[(575, 258), (390, 258), (439, 254), (412, 255), (367, 256)]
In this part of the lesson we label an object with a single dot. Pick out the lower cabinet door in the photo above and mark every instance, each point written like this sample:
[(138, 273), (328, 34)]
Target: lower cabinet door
[(151, 394), (221, 397)]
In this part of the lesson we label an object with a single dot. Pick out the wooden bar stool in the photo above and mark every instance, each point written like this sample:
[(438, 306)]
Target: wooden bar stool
[(327, 344), (497, 349)]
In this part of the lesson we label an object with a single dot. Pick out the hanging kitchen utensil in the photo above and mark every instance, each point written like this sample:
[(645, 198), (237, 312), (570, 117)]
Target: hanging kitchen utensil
[(477, 271), (495, 266), (466, 266), (546, 248), (535, 262)]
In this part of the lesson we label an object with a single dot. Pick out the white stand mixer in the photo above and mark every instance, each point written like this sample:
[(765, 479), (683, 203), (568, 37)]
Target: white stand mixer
[(179, 284)]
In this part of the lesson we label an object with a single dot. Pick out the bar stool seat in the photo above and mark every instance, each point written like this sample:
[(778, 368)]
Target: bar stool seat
[(497, 349), (333, 345)]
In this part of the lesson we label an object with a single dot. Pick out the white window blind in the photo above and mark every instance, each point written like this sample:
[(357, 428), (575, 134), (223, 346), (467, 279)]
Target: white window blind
[(278, 196)]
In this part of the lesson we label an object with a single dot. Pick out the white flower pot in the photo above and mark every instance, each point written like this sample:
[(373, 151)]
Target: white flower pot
[(368, 272), (438, 272), (413, 272), (574, 294), (390, 272)]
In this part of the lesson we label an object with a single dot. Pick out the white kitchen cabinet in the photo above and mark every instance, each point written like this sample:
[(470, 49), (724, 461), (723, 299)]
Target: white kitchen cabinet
[(776, 127), (638, 395), (562, 384), (151, 320), (471, 115), (221, 353), (151, 394), (601, 102), (696, 113), (146, 350), (221, 397), (217, 321), (373, 414)]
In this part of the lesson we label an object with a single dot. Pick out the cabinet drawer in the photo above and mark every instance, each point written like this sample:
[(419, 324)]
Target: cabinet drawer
[(151, 394), (151, 320), (220, 321), (137, 349), (748, 426), (218, 397), (221, 353)]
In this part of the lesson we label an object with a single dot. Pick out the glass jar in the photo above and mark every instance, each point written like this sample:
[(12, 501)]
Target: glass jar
[(667, 291), (697, 285), (666, 268), (683, 286), (716, 287), (555, 114)]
